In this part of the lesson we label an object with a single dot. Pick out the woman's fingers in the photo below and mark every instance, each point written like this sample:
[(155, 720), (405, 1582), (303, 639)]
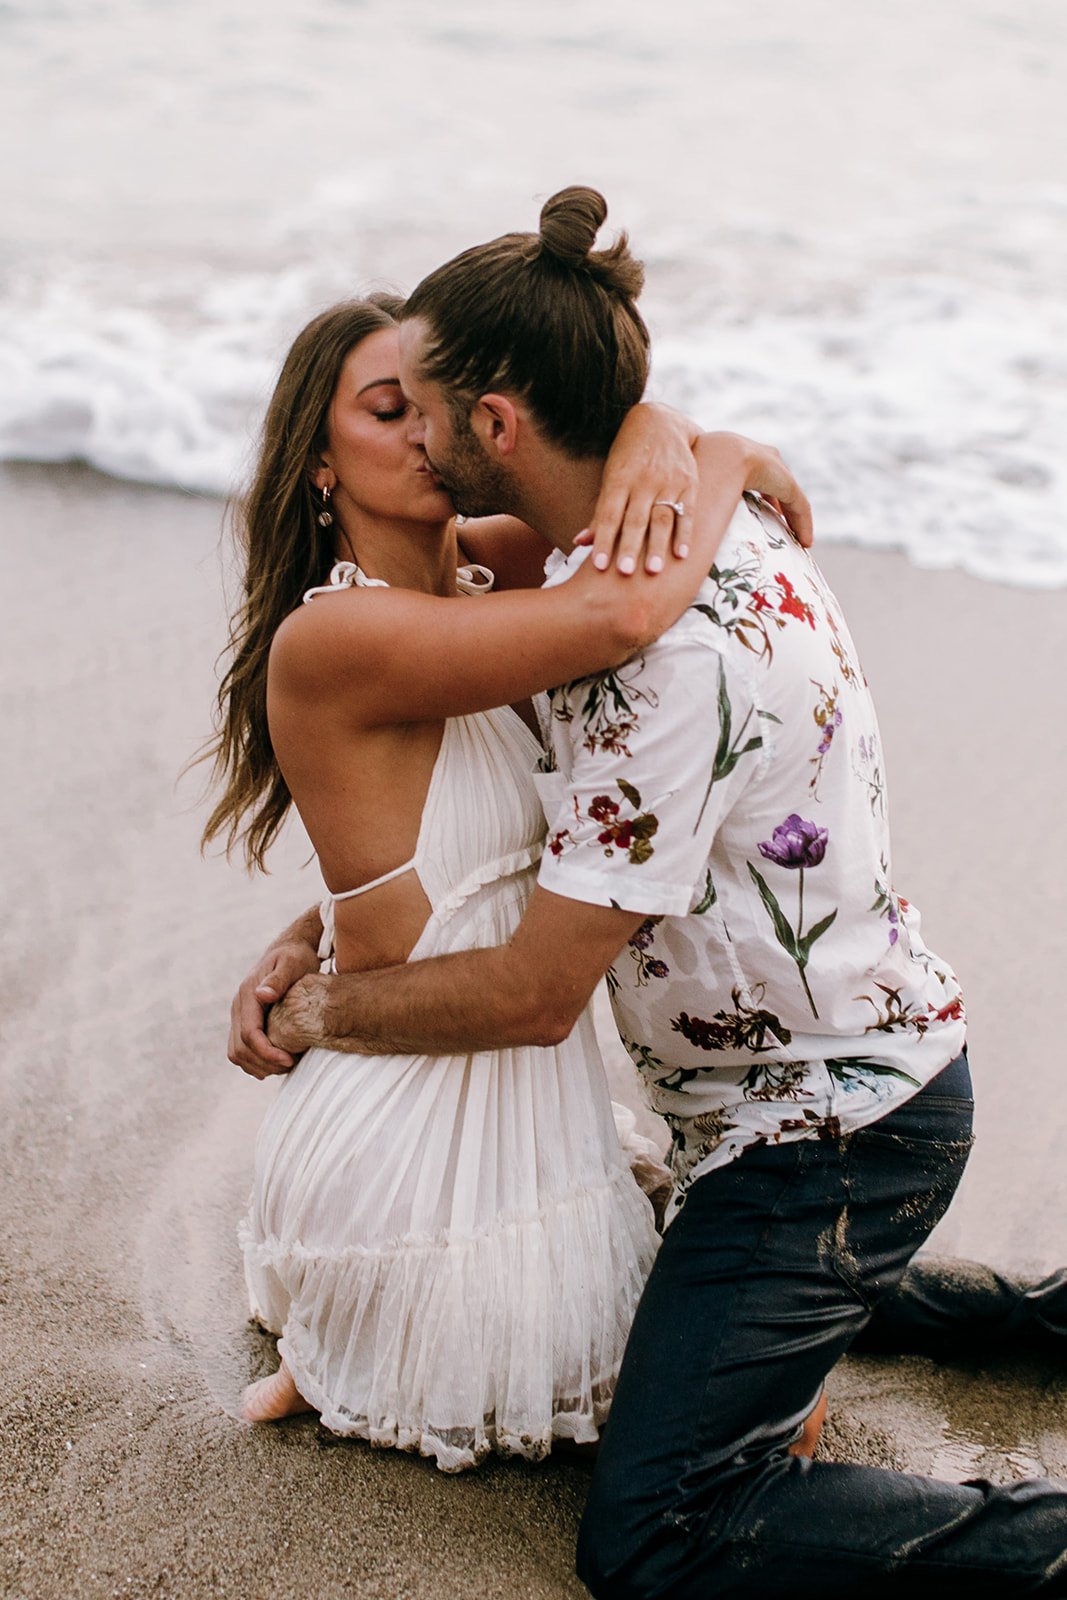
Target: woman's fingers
[(649, 467), (635, 535), (796, 509), (603, 530), (773, 480), (659, 542), (640, 531)]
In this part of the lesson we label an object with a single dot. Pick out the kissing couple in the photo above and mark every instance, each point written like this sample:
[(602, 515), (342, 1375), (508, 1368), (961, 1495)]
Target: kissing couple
[(662, 767)]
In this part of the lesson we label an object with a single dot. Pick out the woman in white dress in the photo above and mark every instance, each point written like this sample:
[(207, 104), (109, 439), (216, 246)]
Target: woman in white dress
[(449, 1248)]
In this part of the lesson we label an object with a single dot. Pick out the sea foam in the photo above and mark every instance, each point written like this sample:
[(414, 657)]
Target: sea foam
[(926, 415)]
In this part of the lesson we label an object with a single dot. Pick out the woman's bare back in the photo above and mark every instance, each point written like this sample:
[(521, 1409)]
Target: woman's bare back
[(360, 793)]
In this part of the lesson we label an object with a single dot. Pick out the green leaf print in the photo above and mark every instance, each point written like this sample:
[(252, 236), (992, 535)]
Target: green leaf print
[(729, 750), (812, 934), (631, 793), (783, 931), (641, 833), (707, 899), (846, 1071), (795, 943), (609, 712)]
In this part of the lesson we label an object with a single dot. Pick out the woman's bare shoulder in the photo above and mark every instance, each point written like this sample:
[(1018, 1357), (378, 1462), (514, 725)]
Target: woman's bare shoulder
[(514, 552), (318, 639)]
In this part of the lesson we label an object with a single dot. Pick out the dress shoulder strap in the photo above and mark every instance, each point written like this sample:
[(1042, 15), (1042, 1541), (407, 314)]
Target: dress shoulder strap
[(345, 575), (471, 579), (375, 883)]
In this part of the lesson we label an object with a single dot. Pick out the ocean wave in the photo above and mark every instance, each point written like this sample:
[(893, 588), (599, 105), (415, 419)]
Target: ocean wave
[(926, 414)]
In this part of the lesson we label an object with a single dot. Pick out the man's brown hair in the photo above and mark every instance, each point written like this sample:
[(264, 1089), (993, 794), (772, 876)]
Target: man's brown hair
[(545, 316)]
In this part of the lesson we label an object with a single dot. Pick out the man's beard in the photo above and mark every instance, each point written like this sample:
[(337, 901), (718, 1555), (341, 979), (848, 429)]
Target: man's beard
[(476, 485)]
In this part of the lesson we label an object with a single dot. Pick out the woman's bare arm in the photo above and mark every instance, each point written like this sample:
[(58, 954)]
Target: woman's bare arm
[(394, 656)]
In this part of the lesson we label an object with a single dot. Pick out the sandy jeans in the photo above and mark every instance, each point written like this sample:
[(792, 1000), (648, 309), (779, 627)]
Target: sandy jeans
[(768, 1274)]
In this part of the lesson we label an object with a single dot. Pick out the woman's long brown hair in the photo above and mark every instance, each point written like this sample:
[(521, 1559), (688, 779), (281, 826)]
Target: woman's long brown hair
[(286, 552)]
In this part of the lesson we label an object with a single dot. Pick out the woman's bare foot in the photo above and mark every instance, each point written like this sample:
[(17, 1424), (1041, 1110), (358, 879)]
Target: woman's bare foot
[(270, 1398)]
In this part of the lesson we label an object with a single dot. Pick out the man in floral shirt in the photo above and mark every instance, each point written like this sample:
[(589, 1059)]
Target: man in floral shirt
[(728, 785), (718, 845)]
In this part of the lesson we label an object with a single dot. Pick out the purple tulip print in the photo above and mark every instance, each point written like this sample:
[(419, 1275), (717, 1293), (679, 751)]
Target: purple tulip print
[(795, 844)]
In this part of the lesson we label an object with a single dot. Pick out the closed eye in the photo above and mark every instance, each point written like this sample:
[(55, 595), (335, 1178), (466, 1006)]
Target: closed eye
[(391, 416)]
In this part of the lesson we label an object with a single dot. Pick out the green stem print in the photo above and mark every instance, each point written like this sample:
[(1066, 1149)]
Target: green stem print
[(730, 748), (800, 940), (795, 845)]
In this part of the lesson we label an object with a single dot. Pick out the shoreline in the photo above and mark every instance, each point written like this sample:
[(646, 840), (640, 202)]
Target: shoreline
[(128, 1136)]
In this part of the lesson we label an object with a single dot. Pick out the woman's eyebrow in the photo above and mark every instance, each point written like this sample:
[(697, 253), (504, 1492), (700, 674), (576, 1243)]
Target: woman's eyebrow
[(377, 383)]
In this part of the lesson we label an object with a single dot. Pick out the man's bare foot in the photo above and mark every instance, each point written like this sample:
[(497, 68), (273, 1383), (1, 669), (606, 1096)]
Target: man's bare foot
[(270, 1398), (805, 1445)]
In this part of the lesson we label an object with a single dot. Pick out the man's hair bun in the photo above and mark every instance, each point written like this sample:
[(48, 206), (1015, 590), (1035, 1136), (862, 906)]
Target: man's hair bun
[(545, 316), (570, 222)]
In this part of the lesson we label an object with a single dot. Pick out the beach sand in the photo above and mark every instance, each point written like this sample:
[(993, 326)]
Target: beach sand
[(127, 1136)]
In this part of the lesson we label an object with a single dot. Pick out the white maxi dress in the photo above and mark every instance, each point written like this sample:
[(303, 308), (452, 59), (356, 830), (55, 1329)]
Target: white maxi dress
[(451, 1247)]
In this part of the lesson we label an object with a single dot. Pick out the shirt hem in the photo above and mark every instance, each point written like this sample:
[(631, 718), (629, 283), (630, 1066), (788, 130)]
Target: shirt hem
[(652, 898)]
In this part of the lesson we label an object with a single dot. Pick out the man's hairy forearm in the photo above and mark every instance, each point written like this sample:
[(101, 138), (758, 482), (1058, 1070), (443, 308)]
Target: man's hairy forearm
[(472, 1000)]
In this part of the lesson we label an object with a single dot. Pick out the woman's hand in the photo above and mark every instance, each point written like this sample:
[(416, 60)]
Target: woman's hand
[(653, 468), (650, 470), (770, 478)]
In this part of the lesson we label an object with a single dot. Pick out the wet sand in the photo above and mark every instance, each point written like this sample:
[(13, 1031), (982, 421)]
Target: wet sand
[(126, 1135)]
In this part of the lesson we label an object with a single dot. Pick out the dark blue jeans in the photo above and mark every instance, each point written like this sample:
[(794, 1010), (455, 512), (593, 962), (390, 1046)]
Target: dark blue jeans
[(770, 1271)]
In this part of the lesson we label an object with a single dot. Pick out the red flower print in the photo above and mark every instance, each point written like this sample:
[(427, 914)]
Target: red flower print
[(619, 833), (792, 604), (603, 809), (632, 834)]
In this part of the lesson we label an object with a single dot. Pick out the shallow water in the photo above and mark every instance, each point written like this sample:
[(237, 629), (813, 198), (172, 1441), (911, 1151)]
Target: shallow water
[(853, 221)]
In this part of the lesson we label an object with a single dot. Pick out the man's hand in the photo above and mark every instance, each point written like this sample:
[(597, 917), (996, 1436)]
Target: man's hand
[(283, 965), (298, 1021), (529, 991)]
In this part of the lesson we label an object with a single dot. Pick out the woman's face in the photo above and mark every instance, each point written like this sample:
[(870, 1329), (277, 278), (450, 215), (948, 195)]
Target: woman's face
[(369, 465)]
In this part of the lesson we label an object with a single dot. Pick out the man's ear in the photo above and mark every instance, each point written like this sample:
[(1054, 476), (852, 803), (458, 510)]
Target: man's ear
[(497, 423)]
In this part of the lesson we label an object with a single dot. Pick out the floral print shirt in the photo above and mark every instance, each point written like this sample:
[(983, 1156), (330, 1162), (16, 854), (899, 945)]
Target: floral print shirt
[(729, 784)]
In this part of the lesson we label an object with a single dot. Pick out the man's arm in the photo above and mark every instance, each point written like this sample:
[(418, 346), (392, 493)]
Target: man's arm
[(529, 991), (293, 954)]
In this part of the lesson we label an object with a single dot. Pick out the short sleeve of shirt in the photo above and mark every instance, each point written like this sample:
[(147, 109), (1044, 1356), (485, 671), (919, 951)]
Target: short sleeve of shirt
[(660, 750)]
